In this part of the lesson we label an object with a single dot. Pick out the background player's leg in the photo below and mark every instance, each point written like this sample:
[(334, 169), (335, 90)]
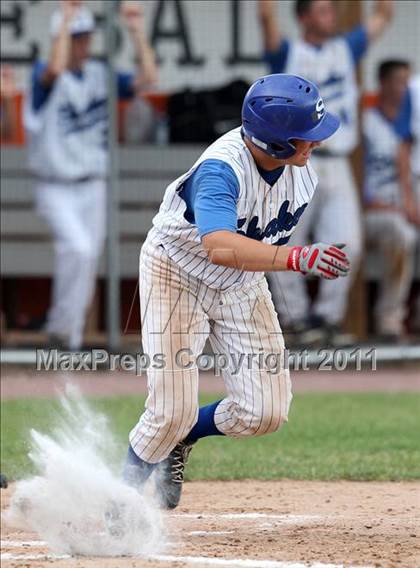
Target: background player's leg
[(396, 239), (416, 322), (339, 222), (288, 289), (258, 400), (172, 320), (93, 212), (60, 206)]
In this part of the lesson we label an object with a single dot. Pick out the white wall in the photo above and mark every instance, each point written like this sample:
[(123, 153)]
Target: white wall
[(208, 23)]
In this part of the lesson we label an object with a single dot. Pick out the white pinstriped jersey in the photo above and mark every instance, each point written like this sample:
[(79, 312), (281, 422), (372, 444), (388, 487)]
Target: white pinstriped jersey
[(266, 213), (331, 68), (415, 123), (381, 143), (67, 136)]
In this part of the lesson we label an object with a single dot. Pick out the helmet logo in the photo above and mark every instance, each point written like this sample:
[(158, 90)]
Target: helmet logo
[(319, 110)]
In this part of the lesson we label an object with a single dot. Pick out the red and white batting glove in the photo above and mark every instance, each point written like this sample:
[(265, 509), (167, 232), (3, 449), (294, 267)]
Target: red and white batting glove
[(327, 261)]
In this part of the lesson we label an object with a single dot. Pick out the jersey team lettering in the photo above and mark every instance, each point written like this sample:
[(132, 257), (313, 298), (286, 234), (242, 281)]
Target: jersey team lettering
[(285, 221)]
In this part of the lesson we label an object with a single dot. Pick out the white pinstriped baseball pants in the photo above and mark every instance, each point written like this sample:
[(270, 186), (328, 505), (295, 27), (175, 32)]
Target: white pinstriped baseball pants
[(394, 238), (179, 312)]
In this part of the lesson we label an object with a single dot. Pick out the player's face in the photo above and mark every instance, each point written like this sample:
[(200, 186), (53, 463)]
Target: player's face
[(80, 48), (395, 85), (303, 152), (321, 18)]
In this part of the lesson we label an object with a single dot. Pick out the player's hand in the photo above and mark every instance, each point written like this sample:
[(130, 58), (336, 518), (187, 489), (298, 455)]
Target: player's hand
[(132, 15), (7, 82), (70, 8), (411, 211), (412, 216), (320, 259), (267, 8)]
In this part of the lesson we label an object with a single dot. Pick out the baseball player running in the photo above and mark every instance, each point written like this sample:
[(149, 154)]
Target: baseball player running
[(329, 60), (221, 225), (66, 121)]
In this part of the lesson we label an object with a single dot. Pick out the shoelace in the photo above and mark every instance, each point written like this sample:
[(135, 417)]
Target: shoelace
[(180, 460)]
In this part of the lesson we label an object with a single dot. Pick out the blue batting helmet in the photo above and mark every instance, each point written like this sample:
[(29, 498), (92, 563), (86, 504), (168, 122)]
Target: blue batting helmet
[(280, 107)]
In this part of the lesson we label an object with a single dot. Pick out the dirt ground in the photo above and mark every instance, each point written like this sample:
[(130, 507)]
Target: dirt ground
[(276, 524), (251, 524)]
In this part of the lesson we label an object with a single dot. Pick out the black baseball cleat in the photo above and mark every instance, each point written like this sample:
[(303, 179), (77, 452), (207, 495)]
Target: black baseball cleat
[(3, 481), (170, 475)]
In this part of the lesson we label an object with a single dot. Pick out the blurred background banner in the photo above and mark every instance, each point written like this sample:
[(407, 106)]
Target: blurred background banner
[(182, 69), (200, 43)]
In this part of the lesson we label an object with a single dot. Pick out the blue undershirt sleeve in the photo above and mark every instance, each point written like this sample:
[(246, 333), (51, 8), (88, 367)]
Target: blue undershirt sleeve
[(125, 85), (276, 60), (358, 41), (40, 93), (403, 121), (211, 195)]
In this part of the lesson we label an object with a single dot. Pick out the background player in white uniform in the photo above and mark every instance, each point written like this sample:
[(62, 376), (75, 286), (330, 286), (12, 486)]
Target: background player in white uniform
[(328, 60), (202, 275), (409, 160), (415, 164), (66, 122), (414, 98), (391, 216)]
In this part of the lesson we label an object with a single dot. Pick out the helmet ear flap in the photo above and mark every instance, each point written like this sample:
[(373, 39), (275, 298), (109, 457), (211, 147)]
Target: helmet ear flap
[(281, 150)]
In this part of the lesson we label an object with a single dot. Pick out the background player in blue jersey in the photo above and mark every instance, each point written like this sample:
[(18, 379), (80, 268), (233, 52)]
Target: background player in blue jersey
[(414, 97), (392, 218), (329, 60), (409, 170), (221, 225), (66, 122)]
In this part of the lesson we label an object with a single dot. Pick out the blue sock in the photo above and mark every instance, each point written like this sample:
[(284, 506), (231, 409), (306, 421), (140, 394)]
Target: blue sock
[(205, 425), (136, 471), (133, 458)]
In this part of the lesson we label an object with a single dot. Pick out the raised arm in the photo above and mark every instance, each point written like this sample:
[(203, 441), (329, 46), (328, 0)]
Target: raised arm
[(8, 118), (268, 19), (60, 48), (133, 17), (380, 18)]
